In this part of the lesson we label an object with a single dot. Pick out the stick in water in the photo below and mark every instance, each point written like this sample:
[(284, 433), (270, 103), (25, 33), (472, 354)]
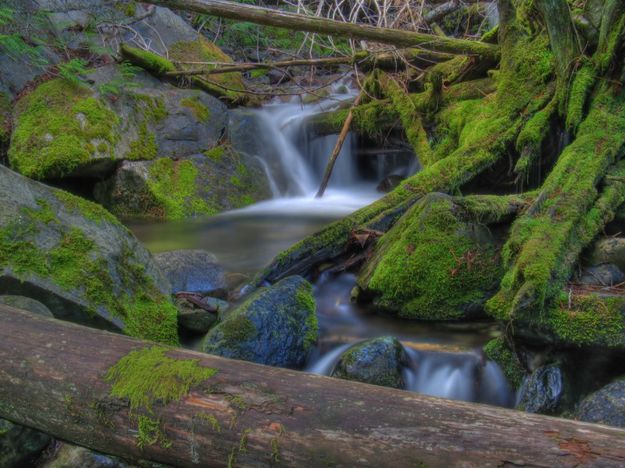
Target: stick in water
[(337, 148)]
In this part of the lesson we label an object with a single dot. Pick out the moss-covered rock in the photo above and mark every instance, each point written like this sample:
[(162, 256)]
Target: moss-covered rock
[(499, 351), (436, 263), (276, 326), (61, 129), (78, 260), (198, 185), (605, 406), (378, 361)]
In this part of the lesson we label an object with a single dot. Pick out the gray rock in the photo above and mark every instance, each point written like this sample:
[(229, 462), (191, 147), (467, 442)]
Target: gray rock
[(377, 361), (73, 456), (26, 303), (78, 260), (605, 406), (609, 250), (20, 446), (191, 270), (542, 391), (276, 326), (602, 275)]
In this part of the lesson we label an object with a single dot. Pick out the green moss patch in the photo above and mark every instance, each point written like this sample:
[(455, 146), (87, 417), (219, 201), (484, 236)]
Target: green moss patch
[(498, 350), (58, 128), (174, 186), (201, 112)]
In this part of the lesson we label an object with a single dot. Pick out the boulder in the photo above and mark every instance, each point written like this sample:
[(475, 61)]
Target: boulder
[(542, 391), (198, 185), (26, 303), (609, 250), (20, 446), (606, 274), (191, 270), (378, 361), (78, 260), (195, 317), (605, 406), (434, 264), (66, 129), (276, 326)]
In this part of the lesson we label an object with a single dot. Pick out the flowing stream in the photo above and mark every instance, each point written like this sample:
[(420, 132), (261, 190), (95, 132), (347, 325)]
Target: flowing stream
[(444, 360)]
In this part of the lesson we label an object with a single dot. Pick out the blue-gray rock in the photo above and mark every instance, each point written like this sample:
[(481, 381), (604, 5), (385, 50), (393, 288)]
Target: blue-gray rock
[(276, 326), (191, 270), (609, 250), (378, 361), (20, 446), (606, 274), (542, 391), (605, 406)]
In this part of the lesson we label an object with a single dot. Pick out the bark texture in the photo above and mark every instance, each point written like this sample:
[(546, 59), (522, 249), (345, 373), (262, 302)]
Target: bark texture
[(53, 379)]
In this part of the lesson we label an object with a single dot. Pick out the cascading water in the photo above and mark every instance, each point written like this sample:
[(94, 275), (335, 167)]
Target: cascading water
[(441, 359)]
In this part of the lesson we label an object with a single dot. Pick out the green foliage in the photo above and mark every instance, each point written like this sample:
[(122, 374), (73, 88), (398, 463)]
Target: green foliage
[(122, 82), (6, 15), (58, 128), (73, 71)]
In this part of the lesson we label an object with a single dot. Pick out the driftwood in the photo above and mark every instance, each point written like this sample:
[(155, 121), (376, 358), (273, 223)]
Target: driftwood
[(52, 378), (271, 17)]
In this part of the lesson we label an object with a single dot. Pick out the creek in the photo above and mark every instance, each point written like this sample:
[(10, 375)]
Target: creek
[(443, 359)]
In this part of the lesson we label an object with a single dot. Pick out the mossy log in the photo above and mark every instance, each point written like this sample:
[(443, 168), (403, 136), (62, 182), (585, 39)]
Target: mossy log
[(127, 397), (278, 18)]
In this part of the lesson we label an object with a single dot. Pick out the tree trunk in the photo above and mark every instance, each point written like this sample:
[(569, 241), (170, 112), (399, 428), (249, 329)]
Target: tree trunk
[(269, 17), (53, 379)]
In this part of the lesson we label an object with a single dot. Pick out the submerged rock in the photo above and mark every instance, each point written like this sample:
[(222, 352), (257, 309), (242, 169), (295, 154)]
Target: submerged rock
[(202, 184), (79, 261), (191, 270), (542, 391), (605, 406), (20, 446), (378, 361), (26, 303), (276, 326), (433, 264)]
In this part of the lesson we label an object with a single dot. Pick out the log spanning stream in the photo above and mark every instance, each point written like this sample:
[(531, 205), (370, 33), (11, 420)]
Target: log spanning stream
[(444, 360)]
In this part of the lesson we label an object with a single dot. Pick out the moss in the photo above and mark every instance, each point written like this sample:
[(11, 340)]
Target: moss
[(148, 376), (149, 61), (498, 350), (305, 301), (149, 432), (5, 120), (430, 266), (216, 153), (238, 328), (210, 419), (144, 147), (91, 211), (202, 50), (150, 108), (74, 265), (58, 126), (589, 321), (201, 112), (544, 244), (531, 137), (582, 85), (173, 184)]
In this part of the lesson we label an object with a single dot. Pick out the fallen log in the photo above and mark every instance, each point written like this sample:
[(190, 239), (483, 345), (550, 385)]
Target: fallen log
[(53, 377), (288, 20)]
